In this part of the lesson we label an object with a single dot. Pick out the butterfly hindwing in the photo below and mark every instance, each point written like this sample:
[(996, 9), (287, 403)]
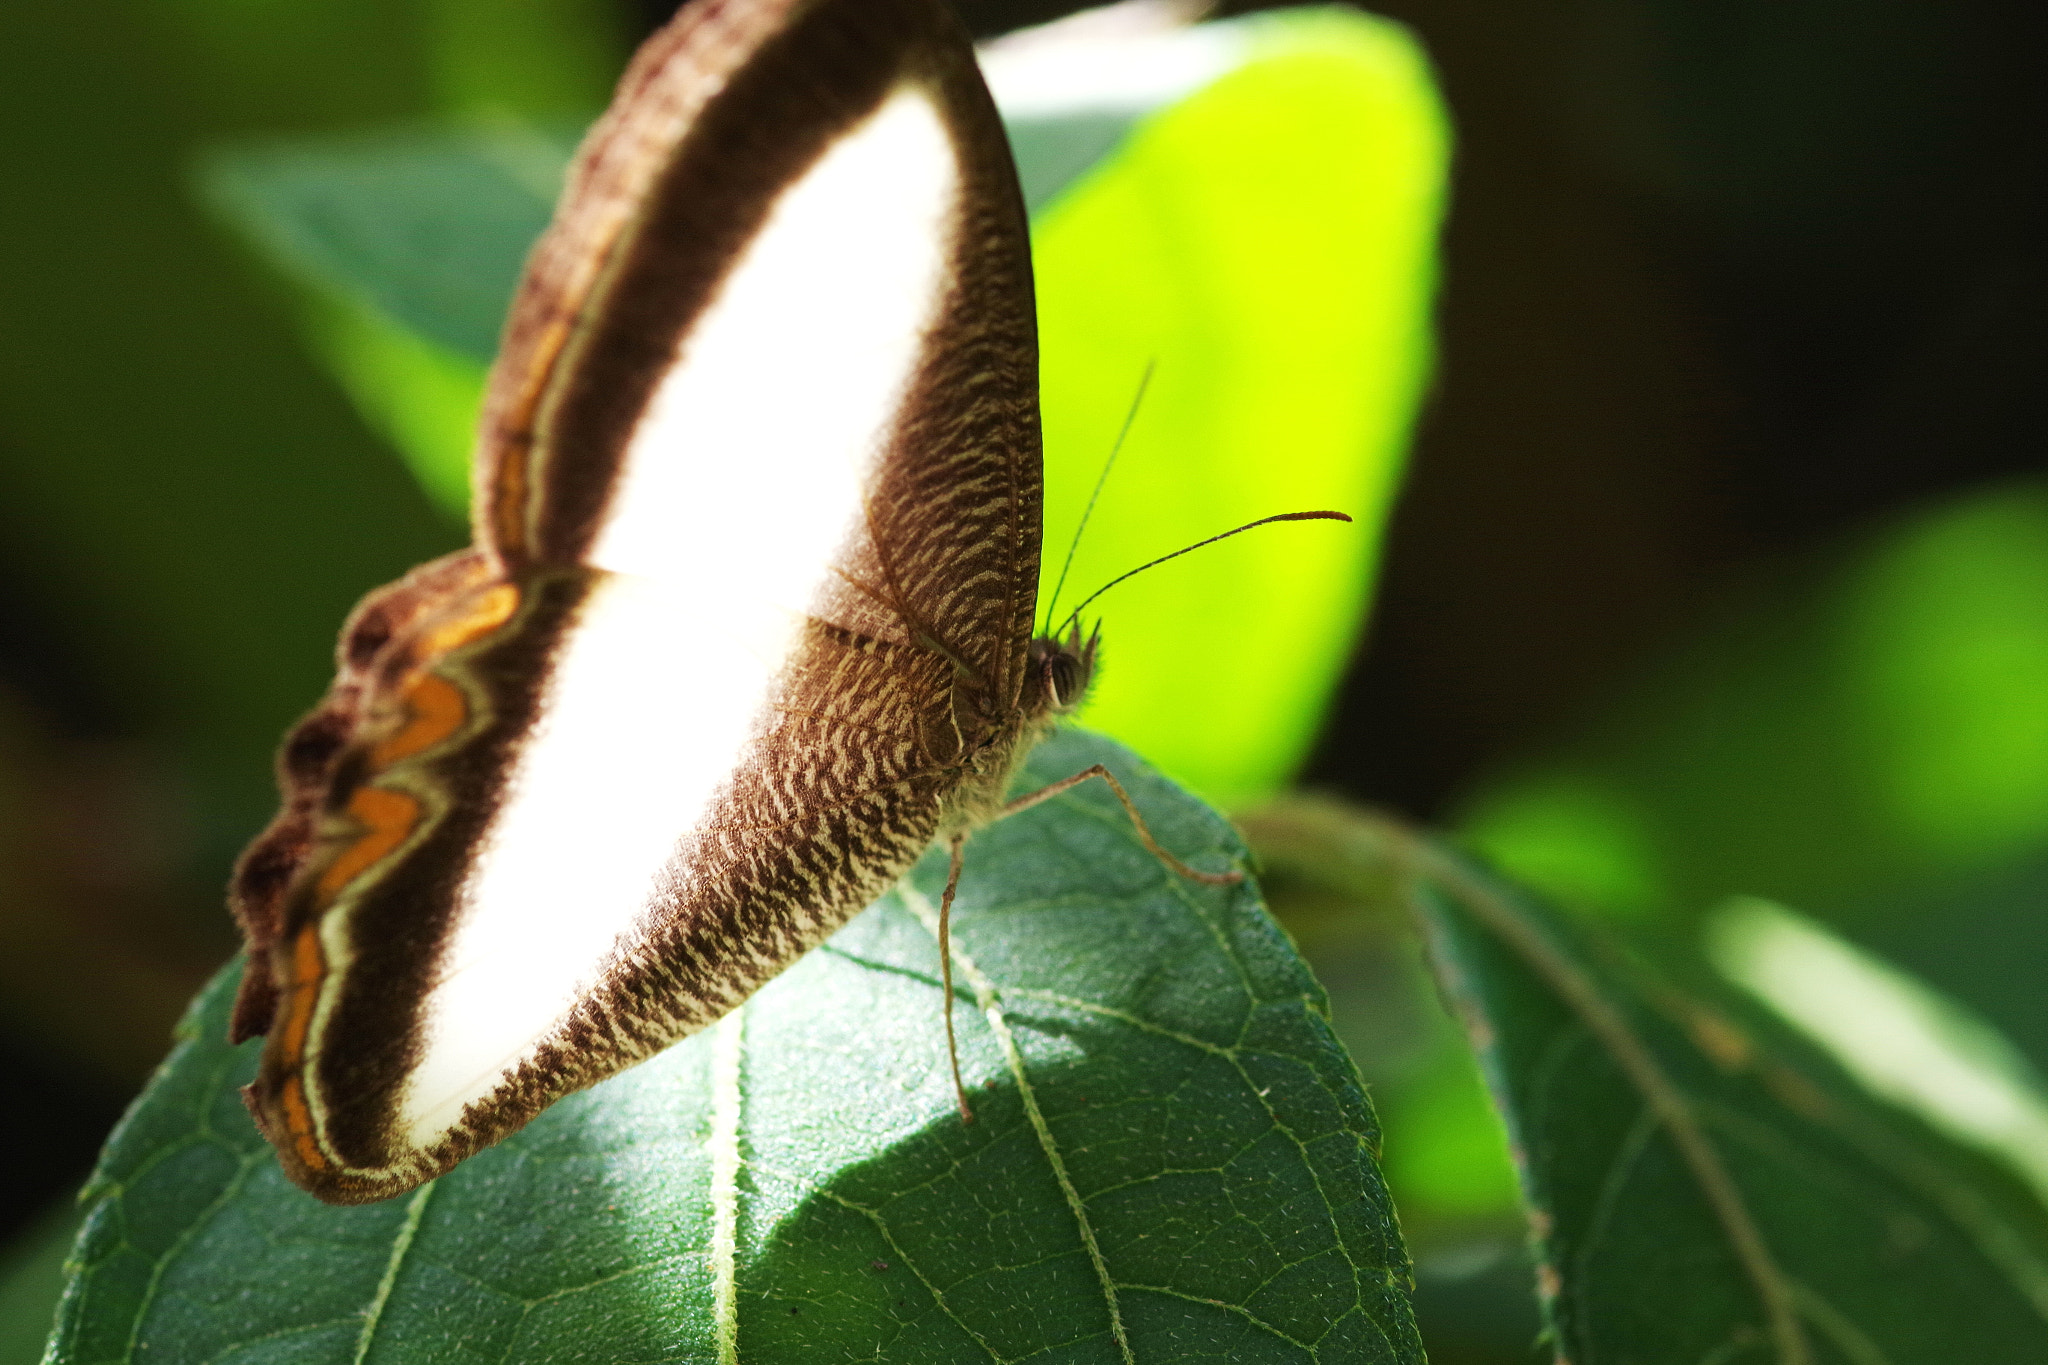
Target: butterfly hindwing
[(757, 538)]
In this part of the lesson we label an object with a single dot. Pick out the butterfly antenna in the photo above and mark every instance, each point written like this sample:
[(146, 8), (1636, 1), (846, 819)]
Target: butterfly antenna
[(1075, 615), (1144, 382)]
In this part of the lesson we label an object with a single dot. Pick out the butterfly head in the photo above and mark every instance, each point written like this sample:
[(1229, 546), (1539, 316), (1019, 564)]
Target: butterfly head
[(1063, 666)]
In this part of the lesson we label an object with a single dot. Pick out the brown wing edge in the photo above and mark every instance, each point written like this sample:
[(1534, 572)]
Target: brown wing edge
[(330, 1111), (954, 523), (674, 76), (664, 199), (758, 906), (263, 876)]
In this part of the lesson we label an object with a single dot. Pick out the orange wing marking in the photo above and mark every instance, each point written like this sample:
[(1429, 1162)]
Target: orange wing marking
[(309, 966), (298, 1121), (438, 709), (492, 608), (387, 816), (518, 434)]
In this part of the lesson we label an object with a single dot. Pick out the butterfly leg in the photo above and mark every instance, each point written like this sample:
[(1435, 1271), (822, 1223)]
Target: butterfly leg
[(1066, 784), (959, 842)]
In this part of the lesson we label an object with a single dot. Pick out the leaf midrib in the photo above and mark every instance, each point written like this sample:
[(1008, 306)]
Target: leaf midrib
[(988, 999)]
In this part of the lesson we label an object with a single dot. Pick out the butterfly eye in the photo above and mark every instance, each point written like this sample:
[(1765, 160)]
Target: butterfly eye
[(1064, 679)]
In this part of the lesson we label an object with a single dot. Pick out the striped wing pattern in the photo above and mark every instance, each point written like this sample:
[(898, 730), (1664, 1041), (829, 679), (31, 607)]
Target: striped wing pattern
[(742, 630)]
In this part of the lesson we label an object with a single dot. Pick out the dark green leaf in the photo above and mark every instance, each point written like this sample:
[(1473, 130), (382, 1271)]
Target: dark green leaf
[(1982, 941), (1328, 880), (429, 227), (1172, 1159), (1705, 1187)]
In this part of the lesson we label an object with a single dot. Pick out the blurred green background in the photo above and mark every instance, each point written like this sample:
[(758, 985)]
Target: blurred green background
[(1720, 568)]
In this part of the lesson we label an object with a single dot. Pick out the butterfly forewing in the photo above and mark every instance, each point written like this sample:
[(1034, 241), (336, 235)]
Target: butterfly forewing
[(758, 490)]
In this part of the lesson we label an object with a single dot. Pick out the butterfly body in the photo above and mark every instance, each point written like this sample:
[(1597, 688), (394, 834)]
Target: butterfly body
[(748, 620)]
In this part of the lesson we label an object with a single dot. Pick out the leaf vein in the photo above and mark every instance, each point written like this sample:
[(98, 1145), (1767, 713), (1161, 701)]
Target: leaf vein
[(250, 1162), (1235, 1309), (1633, 1144), (1838, 1327), (889, 1239), (1315, 1177), (281, 1334), (415, 1209), (987, 998), (1632, 1056), (1125, 1017), (728, 1045)]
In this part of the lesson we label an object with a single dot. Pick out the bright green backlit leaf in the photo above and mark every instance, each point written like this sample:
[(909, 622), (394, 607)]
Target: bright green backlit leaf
[(1583, 843), (1265, 247), (1169, 1147), (421, 397), (408, 245), (428, 226)]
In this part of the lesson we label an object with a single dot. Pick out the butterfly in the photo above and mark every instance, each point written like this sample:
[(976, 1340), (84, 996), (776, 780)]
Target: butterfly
[(746, 626)]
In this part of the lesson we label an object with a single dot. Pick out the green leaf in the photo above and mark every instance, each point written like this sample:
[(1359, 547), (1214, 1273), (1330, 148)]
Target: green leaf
[(191, 532), (1899, 1037), (308, 67), (1265, 248), (1706, 1185), (428, 226), (1863, 734), (1171, 1160), (405, 246), (1327, 878), (544, 57), (1981, 942)]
